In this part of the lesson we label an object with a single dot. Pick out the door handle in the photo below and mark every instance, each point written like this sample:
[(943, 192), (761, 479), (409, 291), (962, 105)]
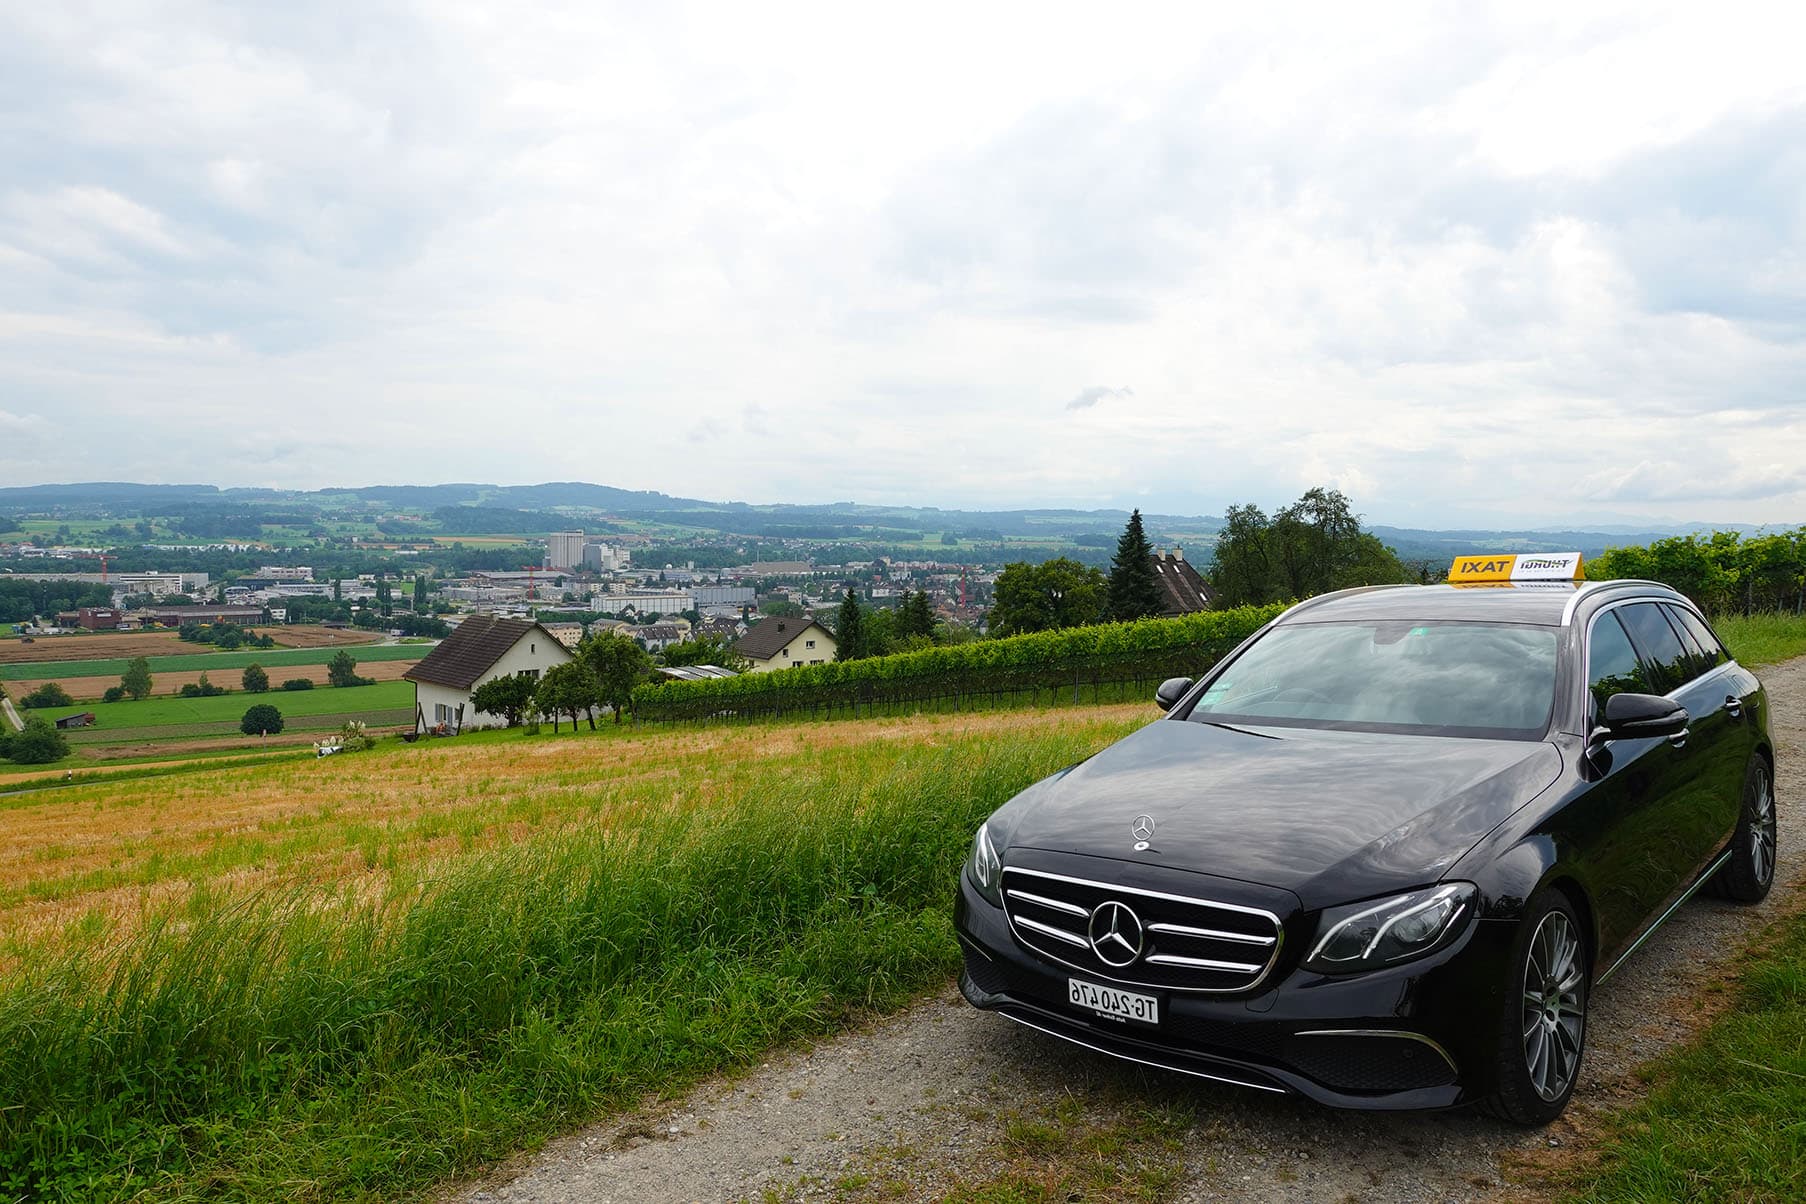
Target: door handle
[(1679, 739), (1733, 706)]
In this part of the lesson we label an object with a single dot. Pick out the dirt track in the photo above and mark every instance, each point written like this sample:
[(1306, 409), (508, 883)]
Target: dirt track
[(936, 1097)]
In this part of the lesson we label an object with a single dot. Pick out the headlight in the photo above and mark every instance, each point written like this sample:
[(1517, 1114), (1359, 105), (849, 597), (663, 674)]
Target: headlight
[(1367, 935), (985, 866)]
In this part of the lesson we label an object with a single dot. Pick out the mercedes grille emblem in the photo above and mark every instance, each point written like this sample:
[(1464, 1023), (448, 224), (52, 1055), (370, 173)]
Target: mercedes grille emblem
[(1116, 933), (1143, 827)]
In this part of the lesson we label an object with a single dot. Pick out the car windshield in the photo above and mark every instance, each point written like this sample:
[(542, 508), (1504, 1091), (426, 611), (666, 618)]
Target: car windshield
[(1491, 680)]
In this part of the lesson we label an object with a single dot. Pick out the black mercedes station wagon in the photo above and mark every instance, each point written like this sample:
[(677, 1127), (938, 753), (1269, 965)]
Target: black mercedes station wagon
[(1382, 853)]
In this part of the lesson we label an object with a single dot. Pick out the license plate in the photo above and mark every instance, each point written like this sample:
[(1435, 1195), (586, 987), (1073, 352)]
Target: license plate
[(1112, 1003)]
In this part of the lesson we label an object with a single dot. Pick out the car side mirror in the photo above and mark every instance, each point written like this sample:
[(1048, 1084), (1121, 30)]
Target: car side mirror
[(1640, 716), (1171, 691)]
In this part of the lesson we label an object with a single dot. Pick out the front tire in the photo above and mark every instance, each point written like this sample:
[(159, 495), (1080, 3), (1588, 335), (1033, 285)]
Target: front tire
[(1747, 876), (1542, 1026)]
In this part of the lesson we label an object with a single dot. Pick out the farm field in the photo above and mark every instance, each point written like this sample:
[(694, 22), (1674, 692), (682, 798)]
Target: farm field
[(163, 711), (72, 850), (123, 645), (87, 688), (357, 975), (214, 662)]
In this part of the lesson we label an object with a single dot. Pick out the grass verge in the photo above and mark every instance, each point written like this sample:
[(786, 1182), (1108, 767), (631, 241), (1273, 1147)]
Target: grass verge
[(1725, 1119), (1764, 639), (330, 1042)]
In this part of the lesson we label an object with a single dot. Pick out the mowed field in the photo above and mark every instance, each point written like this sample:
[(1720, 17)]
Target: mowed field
[(370, 663), (224, 710), (92, 857), (123, 645)]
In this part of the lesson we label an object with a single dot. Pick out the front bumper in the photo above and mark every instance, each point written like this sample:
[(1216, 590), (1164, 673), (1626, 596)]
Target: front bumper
[(1414, 1036)]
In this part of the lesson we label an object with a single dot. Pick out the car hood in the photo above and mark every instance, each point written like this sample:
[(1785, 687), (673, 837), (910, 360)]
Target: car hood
[(1330, 815)]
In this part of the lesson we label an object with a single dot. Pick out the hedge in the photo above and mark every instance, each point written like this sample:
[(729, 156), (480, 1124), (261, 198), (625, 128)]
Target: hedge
[(1144, 650)]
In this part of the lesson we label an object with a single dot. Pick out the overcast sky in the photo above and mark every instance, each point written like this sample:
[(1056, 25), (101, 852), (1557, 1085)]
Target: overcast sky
[(1523, 264)]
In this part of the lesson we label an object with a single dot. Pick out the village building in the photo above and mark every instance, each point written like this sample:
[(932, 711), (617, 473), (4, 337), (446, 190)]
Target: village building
[(785, 644), (481, 649), (1182, 590)]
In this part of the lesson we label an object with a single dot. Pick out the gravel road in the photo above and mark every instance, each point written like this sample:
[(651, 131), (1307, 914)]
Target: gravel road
[(919, 1103)]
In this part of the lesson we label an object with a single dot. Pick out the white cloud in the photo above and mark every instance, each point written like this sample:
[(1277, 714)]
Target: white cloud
[(1452, 263)]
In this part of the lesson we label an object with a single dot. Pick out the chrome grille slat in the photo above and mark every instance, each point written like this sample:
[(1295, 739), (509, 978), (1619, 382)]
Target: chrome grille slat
[(1190, 943), (1199, 963), (1071, 909), (1059, 934), (1210, 933)]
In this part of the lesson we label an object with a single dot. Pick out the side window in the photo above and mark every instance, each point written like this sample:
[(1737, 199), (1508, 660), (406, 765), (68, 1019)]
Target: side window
[(1666, 659), (1697, 660), (1695, 626), (1612, 666)]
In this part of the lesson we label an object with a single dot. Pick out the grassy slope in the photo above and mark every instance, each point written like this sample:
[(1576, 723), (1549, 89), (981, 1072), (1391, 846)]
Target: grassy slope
[(269, 658), (226, 708), (1763, 639), (345, 1036)]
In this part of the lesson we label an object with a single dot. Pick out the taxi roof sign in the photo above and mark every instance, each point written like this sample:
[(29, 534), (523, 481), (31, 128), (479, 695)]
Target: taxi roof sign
[(1527, 566)]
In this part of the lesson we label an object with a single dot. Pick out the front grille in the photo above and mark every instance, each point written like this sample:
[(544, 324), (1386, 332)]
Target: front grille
[(1168, 941)]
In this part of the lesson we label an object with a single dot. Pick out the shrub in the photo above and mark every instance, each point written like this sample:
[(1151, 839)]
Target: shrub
[(262, 719), (39, 744), (354, 737), (113, 694), (341, 670), (254, 679), (1147, 649), (47, 695), (298, 683)]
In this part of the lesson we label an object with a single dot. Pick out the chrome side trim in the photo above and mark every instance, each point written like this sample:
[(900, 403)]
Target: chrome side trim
[(1071, 909), (1151, 894), (1215, 1078), (1059, 934), (1663, 919), (1400, 1033), (1198, 963), (1211, 934)]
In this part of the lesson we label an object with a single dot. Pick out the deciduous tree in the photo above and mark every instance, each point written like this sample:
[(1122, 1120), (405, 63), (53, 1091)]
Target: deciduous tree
[(511, 697), (261, 720), (1042, 597), (254, 679), (619, 665), (569, 689)]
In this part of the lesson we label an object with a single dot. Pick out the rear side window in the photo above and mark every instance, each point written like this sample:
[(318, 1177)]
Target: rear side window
[(1612, 666), (1664, 656), (1695, 626)]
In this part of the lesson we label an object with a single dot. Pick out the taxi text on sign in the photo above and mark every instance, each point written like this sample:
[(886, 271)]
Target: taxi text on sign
[(1549, 566)]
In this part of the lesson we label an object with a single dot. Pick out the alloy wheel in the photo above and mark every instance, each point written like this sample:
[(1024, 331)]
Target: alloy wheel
[(1554, 1011), (1762, 829)]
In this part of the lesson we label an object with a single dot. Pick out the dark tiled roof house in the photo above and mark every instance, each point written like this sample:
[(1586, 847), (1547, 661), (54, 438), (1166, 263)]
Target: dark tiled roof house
[(478, 649), (1182, 590)]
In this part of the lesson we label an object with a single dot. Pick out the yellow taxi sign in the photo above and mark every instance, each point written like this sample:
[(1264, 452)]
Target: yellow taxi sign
[(1527, 566)]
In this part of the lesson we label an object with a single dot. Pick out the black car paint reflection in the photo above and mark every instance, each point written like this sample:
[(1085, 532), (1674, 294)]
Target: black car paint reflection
[(1320, 809)]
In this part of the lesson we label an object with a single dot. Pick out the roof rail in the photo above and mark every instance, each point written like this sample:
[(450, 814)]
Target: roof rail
[(1318, 599), (1592, 587)]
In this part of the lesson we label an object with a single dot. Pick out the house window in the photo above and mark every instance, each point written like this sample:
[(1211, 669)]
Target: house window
[(786, 652), (532, 649), (809, 644)]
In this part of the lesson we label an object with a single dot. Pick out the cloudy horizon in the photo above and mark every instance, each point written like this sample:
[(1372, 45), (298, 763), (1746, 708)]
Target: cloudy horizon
[(1517, 265)]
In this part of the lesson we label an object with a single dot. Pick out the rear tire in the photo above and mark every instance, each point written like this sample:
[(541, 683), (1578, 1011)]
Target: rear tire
[(1748, 875), (1542, 1024)]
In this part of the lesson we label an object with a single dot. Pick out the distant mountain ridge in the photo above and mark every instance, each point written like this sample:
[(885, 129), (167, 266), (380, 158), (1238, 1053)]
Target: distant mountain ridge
[(784, 519)]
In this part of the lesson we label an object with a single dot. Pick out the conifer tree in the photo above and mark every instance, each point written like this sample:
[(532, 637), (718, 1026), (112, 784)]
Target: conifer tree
[(1134, 594), (849, 629)]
